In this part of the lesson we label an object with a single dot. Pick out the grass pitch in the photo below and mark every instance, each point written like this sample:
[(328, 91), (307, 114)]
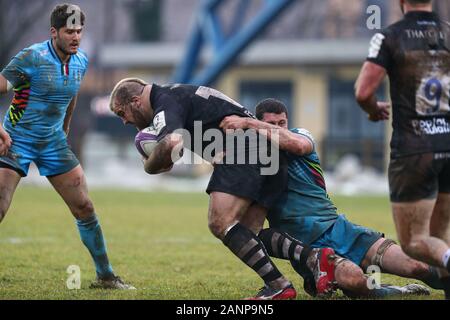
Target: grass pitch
[(159, 242)]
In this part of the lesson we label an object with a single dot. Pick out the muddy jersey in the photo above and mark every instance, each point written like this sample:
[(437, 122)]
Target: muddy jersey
[(43, 88), (416, 55), (305, 210), (193, 108)]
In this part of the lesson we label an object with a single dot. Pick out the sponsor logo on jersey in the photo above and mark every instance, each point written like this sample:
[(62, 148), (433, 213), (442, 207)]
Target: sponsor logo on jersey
[(159, 121), (375, 45), (431, 127)]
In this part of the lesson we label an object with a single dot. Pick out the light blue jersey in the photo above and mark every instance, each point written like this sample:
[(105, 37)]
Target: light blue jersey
[(305, 211), (43, 89)]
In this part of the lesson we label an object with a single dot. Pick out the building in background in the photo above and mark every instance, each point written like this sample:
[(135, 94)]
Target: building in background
[(309, 58)]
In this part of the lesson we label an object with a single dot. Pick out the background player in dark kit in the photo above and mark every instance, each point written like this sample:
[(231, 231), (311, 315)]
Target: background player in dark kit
[(415, 54)]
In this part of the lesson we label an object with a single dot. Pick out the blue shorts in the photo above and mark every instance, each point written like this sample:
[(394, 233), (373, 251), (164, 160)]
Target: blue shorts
[(348, 240), (52, 157)]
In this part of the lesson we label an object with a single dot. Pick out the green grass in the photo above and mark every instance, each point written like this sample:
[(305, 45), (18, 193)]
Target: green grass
[(159, 242)]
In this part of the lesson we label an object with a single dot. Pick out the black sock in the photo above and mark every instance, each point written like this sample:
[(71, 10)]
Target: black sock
[(433, 280), (446, 284), (281, 245), (247, 247)]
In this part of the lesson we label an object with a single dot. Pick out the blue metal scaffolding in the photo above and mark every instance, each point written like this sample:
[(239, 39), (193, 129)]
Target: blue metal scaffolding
[(208, 30)]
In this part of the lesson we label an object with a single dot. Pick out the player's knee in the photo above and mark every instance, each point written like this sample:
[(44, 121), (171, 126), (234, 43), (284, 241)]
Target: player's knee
[(218, 222), (83, 209), (216, 227), (406, 247), (412, 247)]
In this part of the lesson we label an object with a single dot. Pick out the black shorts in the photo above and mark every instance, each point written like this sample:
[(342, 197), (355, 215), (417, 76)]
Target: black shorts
[(7, 166), (246, 181), (418, 177)]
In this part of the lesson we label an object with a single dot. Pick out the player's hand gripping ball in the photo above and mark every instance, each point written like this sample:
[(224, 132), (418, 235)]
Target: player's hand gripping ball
[(146, 141)]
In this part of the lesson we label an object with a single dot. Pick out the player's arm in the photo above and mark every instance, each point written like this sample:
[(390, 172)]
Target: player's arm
[(5, 142), (368, 82), (287, 140), (167, 151), (19, 70), (68, 117), (372, 74)]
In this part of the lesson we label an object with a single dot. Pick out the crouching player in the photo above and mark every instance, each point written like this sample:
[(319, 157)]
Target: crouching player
[(306, 213)]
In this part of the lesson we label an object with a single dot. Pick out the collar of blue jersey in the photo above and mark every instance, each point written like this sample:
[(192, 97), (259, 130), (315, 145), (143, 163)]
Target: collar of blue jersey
[(54, 54), (421, 15)]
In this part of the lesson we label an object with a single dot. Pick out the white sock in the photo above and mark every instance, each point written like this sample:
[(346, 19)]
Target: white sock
[(445, 258)]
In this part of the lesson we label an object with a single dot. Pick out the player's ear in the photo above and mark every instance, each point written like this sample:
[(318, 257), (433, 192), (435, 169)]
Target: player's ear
[(136, 99), (402, 8), (53, 32)]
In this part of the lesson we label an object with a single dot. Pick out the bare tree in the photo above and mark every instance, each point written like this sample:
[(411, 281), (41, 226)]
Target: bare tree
[(17, 18)]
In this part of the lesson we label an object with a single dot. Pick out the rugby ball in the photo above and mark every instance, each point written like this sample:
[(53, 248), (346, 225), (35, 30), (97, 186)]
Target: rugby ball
[(146, 141)]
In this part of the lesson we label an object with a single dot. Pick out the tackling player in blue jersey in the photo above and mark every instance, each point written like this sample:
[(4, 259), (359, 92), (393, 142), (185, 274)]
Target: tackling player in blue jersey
[(46, 78), (306, 213)]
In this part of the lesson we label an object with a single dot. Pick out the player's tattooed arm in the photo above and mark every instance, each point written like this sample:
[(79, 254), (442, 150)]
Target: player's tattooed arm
[(369, 80), (68, 117), (285, 139), (165, 154)]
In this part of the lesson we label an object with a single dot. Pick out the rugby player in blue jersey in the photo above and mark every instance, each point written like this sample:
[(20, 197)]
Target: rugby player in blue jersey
[(46, 78), (306, 213)]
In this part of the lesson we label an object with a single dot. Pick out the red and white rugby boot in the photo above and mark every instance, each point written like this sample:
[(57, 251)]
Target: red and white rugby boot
[(324, 273), (268, 293)]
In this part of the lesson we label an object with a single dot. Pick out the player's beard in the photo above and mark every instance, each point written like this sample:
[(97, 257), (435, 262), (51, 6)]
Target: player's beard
[(141, 122), (62, 46)]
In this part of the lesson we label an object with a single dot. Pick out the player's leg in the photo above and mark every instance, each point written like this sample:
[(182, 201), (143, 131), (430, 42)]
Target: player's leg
[(390, 257), (414, 185), (314, 265), (225, 212), (13, 167), (412, 222), (440, 228), (72, 188), (352, 280), (254, 218), (233, 188), (9, 179), (278, 243), (305, 260)]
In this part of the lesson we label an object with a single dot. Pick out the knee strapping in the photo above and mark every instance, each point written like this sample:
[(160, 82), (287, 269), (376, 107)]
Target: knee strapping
[(338, 260), (378, 257)]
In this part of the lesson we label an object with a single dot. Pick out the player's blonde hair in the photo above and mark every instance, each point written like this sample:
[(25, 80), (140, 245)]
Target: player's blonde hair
[(125, 90)]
